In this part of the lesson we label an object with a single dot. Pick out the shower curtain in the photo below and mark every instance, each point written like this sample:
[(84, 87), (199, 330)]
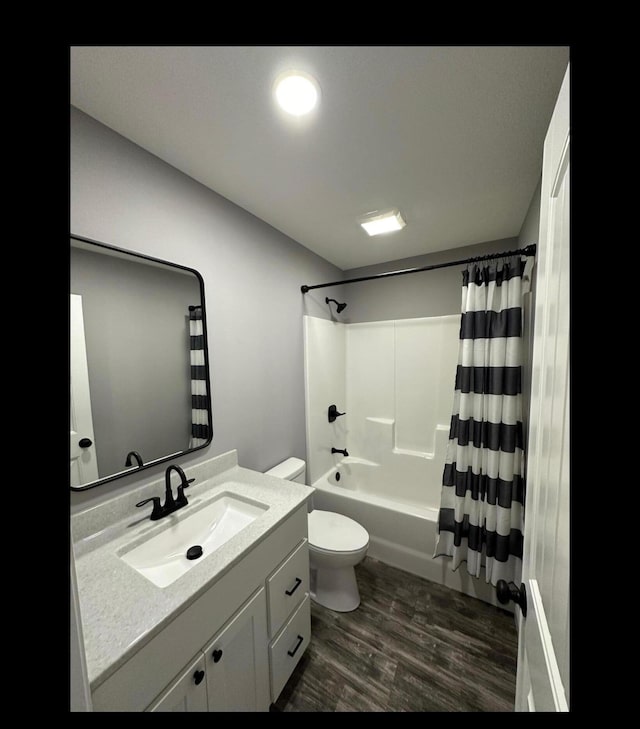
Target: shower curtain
[(481, 518), (199, 396)]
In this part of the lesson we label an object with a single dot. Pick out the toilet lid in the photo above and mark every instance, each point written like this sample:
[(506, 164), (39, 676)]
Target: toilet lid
[(336, 532)]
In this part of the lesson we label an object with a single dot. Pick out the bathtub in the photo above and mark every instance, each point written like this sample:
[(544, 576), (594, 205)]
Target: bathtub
[(402, 532)]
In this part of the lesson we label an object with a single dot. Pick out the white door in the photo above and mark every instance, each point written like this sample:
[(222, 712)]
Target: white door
[(187, 693), (238, 662), (84, 467), (543, 650)]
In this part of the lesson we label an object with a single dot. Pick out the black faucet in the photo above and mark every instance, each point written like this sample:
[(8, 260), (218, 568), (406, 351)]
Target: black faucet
[(337, 450), (135, 455), (170, 504), (184, 483)]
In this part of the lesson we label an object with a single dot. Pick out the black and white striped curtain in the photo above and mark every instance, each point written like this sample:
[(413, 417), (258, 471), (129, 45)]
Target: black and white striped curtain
[(481, 519), (199, 396)]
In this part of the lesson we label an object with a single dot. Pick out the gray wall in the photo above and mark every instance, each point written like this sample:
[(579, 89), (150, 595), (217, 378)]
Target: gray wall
[(137, 337), (530, 226), (428, 293), (124, 196)]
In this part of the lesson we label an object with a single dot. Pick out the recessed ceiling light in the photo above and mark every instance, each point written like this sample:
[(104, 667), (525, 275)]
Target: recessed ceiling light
[(296, 92), (378, 223)]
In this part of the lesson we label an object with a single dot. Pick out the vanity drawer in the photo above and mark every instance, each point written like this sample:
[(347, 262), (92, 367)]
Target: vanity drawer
[(287, 586), (286, 649)]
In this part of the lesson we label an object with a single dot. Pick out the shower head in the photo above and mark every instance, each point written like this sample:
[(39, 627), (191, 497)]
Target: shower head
[(339, 307)]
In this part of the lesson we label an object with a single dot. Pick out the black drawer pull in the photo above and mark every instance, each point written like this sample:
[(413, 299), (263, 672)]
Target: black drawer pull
[(292, 653), (217, 655), (198, 676), (298, 583)]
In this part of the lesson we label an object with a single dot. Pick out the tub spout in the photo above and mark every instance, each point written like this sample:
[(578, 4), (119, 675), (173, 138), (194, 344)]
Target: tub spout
[(343, 451)]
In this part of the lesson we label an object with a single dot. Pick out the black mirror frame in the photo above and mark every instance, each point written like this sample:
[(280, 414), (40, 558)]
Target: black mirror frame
[(171, 456)]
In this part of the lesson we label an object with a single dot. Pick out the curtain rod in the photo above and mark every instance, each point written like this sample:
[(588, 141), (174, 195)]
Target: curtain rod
[(528, 251)]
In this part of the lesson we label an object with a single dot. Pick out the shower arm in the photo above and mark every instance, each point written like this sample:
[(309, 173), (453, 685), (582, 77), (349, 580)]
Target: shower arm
[(339, 307)]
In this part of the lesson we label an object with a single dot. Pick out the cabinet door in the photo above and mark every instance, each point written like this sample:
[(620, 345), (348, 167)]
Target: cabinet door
[(187, 693), (237, 660)]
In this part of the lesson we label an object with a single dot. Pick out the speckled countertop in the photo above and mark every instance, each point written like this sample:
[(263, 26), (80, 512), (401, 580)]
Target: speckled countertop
[(121, 610)]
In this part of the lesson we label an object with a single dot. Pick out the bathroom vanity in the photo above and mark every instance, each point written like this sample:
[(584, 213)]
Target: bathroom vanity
[(222, 633)]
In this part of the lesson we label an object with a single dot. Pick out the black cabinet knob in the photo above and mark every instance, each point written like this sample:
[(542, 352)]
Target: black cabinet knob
[(506, 592), (217, 655), (198, 676), (85, 442)]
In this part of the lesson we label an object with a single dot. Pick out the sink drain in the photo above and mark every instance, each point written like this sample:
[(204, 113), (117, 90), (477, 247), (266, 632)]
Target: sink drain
[(194, 552)]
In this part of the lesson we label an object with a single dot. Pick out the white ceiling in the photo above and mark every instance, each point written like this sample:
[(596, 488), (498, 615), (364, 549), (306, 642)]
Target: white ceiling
[(452, 136)]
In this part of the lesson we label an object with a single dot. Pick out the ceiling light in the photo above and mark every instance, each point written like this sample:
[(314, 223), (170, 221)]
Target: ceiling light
[(296, 92), (378, 223)]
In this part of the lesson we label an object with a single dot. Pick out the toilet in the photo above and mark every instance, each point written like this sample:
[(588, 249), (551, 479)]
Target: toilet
[(336, 545)]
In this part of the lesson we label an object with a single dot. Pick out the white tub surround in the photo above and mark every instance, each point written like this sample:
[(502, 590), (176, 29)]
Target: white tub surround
[(394, 380), (128, 621)]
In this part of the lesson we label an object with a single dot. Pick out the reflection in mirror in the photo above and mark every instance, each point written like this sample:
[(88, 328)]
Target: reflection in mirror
[(138, 363)]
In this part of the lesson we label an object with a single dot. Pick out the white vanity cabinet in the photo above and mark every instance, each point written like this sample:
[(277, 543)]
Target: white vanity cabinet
[(289, 616), (246, 632), (231, 673), (187, 693), (237, 662)]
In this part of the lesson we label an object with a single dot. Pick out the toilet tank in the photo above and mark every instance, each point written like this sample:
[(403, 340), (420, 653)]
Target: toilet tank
[(293, 469)]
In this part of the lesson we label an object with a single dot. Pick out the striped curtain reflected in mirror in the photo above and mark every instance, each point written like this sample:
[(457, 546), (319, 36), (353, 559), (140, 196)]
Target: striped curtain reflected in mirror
[(481, 518), (199, 396)]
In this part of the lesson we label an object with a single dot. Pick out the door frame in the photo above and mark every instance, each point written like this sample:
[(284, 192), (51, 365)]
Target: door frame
[(556, 162)]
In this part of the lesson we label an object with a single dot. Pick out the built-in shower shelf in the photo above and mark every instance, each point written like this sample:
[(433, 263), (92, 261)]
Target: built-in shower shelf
[(415, 454)]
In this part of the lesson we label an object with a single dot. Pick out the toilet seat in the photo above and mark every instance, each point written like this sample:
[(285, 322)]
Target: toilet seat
[(331, 532)]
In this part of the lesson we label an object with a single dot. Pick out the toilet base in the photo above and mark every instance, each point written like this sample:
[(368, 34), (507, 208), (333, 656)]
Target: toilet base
[(335, 588)]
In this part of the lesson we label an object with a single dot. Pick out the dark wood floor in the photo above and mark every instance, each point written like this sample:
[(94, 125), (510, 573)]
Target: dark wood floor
[(412, 645)]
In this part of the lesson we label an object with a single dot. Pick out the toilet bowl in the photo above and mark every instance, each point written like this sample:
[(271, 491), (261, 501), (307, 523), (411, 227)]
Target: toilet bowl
[(337, 544)]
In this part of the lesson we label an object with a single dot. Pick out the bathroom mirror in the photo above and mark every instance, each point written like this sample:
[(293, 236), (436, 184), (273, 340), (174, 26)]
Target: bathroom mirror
[(139, 371)]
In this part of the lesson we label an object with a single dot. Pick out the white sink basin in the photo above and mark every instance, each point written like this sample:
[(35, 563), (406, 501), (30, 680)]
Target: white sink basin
[(162, 558)]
